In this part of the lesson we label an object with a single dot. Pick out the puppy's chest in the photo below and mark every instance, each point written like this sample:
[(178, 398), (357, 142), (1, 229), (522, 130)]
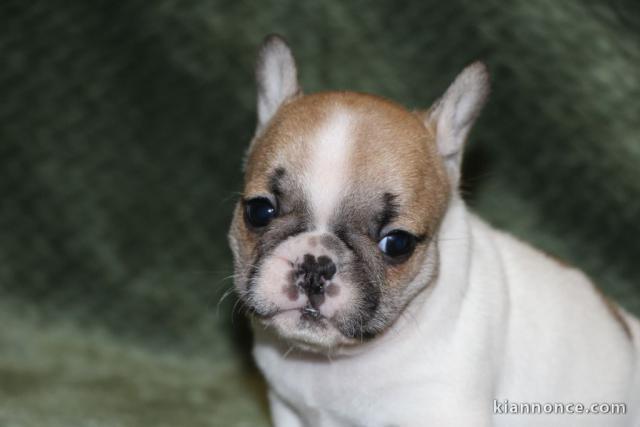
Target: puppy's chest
[(344, 392), (335, 395)]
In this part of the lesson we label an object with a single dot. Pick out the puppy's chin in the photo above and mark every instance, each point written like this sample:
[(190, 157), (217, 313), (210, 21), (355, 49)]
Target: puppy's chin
[(316, 336)]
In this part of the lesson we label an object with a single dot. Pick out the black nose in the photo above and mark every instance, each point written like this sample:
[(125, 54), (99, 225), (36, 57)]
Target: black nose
[(313, 274)]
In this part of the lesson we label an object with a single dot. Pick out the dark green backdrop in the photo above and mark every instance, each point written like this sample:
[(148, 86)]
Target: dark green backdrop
[(122, 126)]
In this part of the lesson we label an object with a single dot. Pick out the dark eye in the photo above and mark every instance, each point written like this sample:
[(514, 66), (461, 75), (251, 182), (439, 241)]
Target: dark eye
[(397, 243), (259, 212)]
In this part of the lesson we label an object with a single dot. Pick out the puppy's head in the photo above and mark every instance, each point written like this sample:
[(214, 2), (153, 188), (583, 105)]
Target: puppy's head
[(343, 196)]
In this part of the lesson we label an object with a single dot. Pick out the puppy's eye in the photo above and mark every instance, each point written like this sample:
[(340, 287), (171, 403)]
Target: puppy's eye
[(259, 212), (397, 243)]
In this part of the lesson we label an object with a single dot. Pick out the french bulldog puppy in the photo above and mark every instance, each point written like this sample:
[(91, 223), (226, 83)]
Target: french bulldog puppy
[(378, 299)]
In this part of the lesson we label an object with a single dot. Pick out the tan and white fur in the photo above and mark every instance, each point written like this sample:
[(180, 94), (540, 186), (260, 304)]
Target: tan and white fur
[(430, 338)]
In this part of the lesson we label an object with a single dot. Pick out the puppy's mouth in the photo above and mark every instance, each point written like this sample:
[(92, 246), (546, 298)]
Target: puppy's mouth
[(308, 313), (306, 328)]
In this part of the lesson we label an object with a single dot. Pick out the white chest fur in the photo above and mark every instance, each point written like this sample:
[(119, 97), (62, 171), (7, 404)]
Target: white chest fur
[(502, 321)]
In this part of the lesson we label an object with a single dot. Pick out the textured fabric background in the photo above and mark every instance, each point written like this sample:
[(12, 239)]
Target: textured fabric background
[(122, 126)]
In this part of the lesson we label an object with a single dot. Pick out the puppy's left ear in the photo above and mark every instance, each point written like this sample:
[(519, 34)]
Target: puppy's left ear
[(455, 112), (276, 76)]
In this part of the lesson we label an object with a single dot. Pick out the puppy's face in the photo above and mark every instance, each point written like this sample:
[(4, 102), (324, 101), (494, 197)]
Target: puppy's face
[(343, 196)]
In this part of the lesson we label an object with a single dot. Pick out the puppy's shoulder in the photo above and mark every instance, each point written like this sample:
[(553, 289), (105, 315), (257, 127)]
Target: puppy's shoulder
[(538, 278), (517, 254)]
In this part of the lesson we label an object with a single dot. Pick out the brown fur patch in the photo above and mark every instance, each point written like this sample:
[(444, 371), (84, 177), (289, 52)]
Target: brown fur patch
[(614, 310), (396, 153), (559, 261)]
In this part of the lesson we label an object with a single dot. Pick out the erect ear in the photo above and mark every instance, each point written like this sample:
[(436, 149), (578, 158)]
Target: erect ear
[(276, 76), (454, 113)]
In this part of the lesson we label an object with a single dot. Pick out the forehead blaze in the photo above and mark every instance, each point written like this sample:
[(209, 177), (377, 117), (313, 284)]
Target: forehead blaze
[(342, 145)]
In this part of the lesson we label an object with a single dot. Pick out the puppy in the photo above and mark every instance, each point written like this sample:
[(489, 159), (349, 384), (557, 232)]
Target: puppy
[(378, 299)]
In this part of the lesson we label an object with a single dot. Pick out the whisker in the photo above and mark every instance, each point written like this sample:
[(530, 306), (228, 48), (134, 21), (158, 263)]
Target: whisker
[(286, 353), (240, 302), (221, 300), (232, 194), (448, 239), (329, 357)]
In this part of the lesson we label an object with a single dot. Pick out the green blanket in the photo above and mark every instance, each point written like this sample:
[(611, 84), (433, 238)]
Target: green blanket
[(122, 127)]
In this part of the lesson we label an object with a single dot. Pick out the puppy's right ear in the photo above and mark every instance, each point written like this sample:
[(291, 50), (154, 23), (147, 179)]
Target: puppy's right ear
[(276, 76), (453, 115)]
